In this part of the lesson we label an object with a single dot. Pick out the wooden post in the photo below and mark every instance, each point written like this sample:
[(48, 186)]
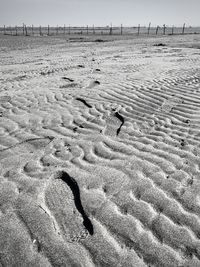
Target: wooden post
[(23, 29), (149, 28), (183, 30), (121, 29), (40, 30), (57, 30), (48, 30), (64, 29), (4, 29), (93, 29), (111, 29), (16, 30), (138, 32), (26, 32), (164, 29), (32, 30), (87, 29), (173, 30), (157, 30), (69, 30)]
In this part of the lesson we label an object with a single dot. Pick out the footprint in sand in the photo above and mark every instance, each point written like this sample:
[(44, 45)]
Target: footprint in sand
[(114, 122), (62, 198), (93, 84)]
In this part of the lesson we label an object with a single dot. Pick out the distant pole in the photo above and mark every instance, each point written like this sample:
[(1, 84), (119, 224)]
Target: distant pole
[(87, 29), (57, 30), (26, 32), (64, 29), (48, 30), (69, 30), (173, 30), (164, 29), (93, 29), (149, 28), (23, 28), (157, 30), (40, 30), (16, 30), (32, 29), (138, 32), (10, 30), (121, 29), (4, 29), (183, 30), (111, 29)]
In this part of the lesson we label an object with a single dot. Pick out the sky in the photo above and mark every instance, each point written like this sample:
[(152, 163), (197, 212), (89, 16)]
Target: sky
[(99, 12)]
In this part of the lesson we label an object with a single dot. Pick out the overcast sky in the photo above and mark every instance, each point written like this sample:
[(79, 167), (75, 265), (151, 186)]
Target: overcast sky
[(99, 12)]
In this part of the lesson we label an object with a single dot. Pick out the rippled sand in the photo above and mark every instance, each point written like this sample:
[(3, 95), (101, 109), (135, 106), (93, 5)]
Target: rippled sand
[(99, 152)]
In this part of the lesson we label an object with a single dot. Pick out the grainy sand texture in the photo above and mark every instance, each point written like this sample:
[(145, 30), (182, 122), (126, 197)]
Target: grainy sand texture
[(99, 152)]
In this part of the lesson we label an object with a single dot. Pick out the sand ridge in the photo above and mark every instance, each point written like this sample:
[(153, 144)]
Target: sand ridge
[(99, 153)]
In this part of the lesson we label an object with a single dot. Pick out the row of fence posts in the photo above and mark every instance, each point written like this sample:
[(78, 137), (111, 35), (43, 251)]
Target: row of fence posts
[(26, 33), (158, 27)]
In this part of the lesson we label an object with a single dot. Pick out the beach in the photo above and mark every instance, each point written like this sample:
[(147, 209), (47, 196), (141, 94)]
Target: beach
[(99, 151)]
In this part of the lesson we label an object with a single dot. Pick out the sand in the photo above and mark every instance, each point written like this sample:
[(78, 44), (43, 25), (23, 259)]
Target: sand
[(99, 152)]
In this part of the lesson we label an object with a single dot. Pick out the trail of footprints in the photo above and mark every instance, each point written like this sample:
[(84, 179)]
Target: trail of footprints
[(142, 144)]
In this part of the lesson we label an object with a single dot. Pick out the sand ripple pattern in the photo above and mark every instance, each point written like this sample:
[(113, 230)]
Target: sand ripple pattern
[(99, 155)]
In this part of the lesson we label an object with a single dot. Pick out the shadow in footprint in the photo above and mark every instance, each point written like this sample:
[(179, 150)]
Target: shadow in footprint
[(84, 102), (117, 115), (68, 79), (70, 181)]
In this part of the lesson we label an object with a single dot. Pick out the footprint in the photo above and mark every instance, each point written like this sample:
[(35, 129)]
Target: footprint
[(114, 124), (62, 197), (93, 84), (84, 102)]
